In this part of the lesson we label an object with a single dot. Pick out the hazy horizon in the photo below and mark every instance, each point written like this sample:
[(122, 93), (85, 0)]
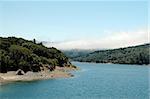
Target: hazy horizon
[(77, 24)]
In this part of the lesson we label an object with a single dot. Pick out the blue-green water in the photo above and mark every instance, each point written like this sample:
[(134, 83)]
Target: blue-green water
[(93, 81)]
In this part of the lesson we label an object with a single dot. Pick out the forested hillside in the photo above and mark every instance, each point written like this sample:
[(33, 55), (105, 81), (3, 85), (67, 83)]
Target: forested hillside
[(76, 52), (18, 53), (129, 55)]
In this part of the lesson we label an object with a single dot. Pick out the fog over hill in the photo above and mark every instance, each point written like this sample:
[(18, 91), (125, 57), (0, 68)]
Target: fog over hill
[(110, 41), (129, 55)]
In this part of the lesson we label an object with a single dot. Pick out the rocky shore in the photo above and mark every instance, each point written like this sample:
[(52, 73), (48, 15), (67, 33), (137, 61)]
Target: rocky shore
[(59, 72)]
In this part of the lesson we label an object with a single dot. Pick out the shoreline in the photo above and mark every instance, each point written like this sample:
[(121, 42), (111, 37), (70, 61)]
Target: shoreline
[(113, 63), (59, 72)]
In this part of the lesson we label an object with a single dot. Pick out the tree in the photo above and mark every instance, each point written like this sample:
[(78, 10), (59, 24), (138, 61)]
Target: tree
[(18, 53), (34, 41)]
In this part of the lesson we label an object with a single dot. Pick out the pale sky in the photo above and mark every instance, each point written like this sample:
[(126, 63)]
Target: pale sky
[(77, 24)]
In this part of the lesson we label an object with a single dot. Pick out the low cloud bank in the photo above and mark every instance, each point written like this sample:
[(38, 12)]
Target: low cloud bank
[(113, 40)]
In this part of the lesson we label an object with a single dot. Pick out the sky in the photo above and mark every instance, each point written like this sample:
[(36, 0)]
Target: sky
[(77, 24)]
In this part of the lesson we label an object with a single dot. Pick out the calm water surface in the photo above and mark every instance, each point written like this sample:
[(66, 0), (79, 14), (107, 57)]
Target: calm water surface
[(93, 81)]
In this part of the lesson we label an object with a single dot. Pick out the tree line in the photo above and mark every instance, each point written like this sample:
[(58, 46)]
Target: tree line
[(129, 55), (18, 53)]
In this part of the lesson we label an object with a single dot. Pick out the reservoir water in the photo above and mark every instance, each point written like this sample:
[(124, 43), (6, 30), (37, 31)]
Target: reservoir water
[(92, 81)]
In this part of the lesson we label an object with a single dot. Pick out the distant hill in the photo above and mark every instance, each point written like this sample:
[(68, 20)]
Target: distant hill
[(72, 53), (129, 55), (18, 53)]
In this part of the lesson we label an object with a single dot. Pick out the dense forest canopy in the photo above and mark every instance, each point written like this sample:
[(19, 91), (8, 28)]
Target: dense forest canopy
[(18, 53), (129, 55)]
